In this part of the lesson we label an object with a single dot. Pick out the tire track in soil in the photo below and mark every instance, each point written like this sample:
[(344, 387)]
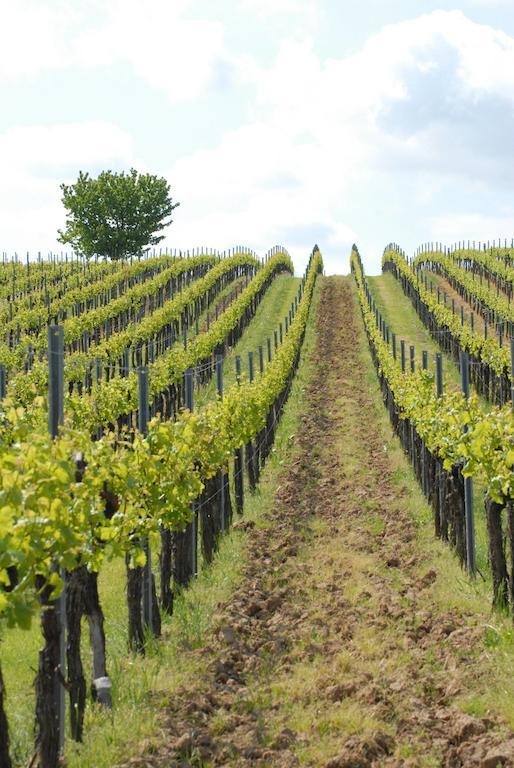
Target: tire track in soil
[(304, 597)]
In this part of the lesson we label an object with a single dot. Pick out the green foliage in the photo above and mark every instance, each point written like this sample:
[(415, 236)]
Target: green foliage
[(49, 520), (497, 261), (485, 451), (117, 214), (488, 350), (132, 300), (474, 287), (118, 396)]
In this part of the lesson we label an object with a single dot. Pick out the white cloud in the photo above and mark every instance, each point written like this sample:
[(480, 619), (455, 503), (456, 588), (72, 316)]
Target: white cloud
[(36, 159), (424, 108), (274, 7), (404, 139), (170, 51), (178, 55), (473, 226), (30, 36), (490, 3), (298, 13)]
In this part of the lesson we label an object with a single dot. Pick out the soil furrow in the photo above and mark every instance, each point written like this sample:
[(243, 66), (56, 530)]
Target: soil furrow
[(336, 649)]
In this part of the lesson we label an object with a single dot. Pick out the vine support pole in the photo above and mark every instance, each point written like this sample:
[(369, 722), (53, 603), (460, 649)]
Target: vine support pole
[(468, 482), (50, 690), (142, 425), (439, 373), (221, 474), (55, 420), (238, 458), (190, 388), (512, 372)]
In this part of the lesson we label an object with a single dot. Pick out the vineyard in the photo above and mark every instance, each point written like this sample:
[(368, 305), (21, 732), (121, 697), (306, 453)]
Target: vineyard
[(253, 519)]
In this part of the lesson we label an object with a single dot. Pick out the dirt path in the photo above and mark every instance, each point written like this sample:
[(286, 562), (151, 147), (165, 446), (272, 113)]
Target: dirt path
[(335, 650)]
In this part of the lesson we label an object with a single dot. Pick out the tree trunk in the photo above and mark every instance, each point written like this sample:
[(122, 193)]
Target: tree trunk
[(184, 550), (48, 680), (250, 463), (455, 500), (165, 564), (101, 689), (75, 583), (510, 531), (136, 635), (239, 480), (210, 516), (227, 501), (497, 552), (156, 613)]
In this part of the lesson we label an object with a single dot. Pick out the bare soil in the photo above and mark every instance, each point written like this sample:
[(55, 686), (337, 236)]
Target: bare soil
[(334, 650)]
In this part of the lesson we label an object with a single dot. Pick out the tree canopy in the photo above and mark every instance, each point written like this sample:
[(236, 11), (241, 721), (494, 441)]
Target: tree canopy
[(117, 214)]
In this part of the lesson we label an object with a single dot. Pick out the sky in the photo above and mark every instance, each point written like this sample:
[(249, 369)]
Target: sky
[(288, 122)]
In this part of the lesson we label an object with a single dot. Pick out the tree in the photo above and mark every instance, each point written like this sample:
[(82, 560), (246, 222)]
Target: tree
[(117, 214)]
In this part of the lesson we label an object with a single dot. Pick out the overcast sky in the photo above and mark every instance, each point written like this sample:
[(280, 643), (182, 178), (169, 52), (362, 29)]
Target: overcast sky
[(275, 121)]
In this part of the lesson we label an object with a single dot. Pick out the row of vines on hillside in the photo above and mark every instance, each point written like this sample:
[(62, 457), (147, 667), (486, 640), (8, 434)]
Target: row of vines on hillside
[(491, 363), (495, 264), (490, 302), (69, 503), (449, 438), (154, 319), (110, 401)]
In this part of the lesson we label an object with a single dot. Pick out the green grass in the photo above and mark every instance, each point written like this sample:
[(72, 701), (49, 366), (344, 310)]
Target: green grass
[(493, 689), (239, 283), (139, 684), (445, 286), (490, 688), (401, 317), (399, 313), (292, 696), (271, 311)]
